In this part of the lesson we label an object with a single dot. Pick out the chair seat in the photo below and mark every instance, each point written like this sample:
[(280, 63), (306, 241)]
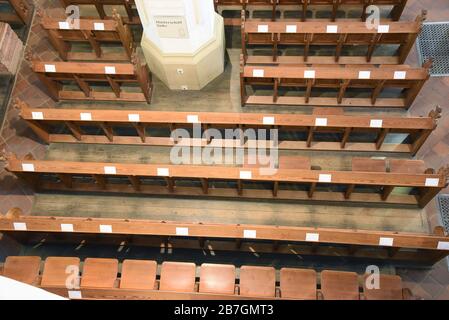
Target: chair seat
[(298, 284), (178, 276), (217, 278), (99, 273), (23, 269), (390, 288), (339, 285), (138, 274), (58, 269), (257, 281)]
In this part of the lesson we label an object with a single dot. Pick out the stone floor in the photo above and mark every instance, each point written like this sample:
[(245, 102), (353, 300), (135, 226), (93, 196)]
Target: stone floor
[(16, 137)]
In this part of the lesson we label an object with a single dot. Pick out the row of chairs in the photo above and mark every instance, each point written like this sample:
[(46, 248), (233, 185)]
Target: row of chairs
[(289, 178), (214, 279)]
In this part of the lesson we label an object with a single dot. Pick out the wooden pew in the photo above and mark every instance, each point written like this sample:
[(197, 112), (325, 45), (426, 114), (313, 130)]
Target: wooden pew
[(419, 248), (56, 125), (260, 284), (22, 12), (341, 35), (84, 74), (397, 7), (95, 32), (319, 185), (341, 79), (131, 18)]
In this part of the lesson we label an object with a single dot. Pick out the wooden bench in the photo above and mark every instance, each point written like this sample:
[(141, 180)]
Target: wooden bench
[(85, 74), (255, 282), (56, 125), (22, 12), (94, 32), (304, 84), (319, 185), (396, 6), (418, 248), (103, 13), (276, 36)]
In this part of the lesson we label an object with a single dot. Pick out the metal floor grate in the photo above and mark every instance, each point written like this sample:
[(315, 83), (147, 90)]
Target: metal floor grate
[(433, 42), (443, 206)]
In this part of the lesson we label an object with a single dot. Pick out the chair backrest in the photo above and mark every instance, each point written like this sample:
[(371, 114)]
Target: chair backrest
[(298, 283), (257, 281), (22, 268), (99, 273), (138, 274), (339, 285), (390, 288), (178, 276), (59, 270), (217, 278)]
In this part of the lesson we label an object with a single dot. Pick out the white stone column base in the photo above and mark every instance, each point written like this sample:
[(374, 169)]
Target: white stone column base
[(188, 71)]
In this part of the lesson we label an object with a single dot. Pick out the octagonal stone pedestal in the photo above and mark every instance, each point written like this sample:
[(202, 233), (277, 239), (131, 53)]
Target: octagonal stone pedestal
[(188, 71)]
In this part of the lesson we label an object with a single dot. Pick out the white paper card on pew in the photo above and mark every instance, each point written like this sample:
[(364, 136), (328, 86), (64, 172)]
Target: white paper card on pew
[(386, 242), (246, 174), (86, 116), (50, 68), (309, 74), (181, 231), (105, 228), (28, 167), (99, 26), (443, 245), (331, 29), (74, 294), (400, 75), (252, 234), (364, 74), (163, 172), (258, 73), (110, 170), (37, 115), (432, 182), (20, 226), (268, 120), (321, 122), (67, 227), (290, 28), (375, 123), (383, 28), (262, 28), (63, 25), (109, 70), (192, 118), (325, 178), (312, 237), (134, 117)]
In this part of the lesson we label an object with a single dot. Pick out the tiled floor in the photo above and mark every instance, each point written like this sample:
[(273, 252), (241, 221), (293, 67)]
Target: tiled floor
[(16, 137)]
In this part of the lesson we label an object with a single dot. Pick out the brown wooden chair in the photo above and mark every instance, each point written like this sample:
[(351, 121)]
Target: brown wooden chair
[(99, 273), (298, 284), (56, 271), (178, 276), (390, 288), (257, 281), (138, 274), (217, 278), (23, 269), (339, 285)]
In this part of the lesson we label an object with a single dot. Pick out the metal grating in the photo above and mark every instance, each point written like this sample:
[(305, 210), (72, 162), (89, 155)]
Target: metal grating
[(443, 206), (433, 43)]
